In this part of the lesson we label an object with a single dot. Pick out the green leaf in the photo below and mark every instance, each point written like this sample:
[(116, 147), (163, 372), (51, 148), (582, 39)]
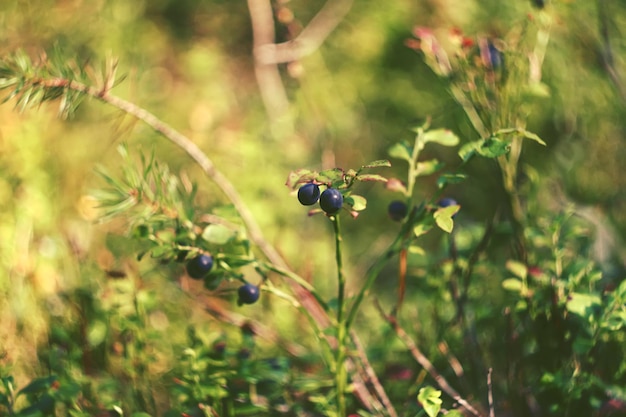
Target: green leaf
[(428, 167), (447, 179), (532, 136), (537, 89), (583, 304), (218, 234), (38, 385), (371, 177), (357, 202), (443, 217), (333, 176), (299, 176), (445, 223), (377, 164), (401, 151), (443, 137), (522, 132), (417, 250), (430, 399), (489, 148), (97, 332), (421, 229), (517, 268), (512, 284)]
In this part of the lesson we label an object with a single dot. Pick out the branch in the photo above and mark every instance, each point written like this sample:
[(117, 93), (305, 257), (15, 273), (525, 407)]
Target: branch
[(309, 40), (268, 78), (426, 364), (607, 52), (371, 376)]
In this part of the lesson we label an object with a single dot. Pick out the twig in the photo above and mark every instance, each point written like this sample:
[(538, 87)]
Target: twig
[(607, 51), (267, 75), (309, 40), (213, 307), (492, 412), (371, 376), (426, 364)]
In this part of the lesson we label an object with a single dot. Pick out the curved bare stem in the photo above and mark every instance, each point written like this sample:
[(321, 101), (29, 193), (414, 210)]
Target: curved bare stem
[(309, 40)]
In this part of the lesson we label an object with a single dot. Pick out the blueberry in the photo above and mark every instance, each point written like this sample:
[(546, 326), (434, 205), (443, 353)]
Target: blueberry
[(495, 56), (539, 3), (308, 194), (200, 266), (447, 202), (397, 210), (248, 294), (331, 200)]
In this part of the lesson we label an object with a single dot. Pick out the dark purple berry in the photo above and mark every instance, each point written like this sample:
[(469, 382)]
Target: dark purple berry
[(200, 266), (248, 294), (447, 202), (331, 200), (539, 3), (308, 194), (397, 210), (495, 56)]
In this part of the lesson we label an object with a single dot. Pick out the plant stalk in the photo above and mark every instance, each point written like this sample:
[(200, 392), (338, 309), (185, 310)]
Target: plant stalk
[(340, 358)]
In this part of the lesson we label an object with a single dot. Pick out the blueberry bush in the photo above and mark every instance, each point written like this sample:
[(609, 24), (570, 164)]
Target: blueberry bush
[(322, 220)]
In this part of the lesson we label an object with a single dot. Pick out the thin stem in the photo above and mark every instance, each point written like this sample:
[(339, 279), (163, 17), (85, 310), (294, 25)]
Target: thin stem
[(298, 279), (427, 364), (395, 247), (372, 378), (340, 373), (341, 280)]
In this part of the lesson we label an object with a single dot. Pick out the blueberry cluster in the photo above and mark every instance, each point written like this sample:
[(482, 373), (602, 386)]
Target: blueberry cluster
[(199, 268), (331, 200)]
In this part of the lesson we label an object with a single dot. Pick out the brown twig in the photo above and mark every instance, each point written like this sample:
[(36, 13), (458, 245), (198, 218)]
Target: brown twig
[(607, 51), (267, 75), (492, 412), (426, 363), (309, 40), (371, 376)]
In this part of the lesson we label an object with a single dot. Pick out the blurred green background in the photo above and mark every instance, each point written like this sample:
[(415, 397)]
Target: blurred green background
[(190, 62)]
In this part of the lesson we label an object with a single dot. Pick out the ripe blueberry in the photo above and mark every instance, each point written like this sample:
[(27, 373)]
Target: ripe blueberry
[(200, 266), (248, 294), (447, 202), (308, 194), (495, 56), (331, 200), (397, 210), (539, 3)]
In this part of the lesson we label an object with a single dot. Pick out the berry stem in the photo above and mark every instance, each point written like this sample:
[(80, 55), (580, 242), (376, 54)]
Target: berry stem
[(340, 355), (396, 246)]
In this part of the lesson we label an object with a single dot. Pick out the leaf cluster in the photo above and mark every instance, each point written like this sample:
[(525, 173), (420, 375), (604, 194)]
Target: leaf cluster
[(32, 82)]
